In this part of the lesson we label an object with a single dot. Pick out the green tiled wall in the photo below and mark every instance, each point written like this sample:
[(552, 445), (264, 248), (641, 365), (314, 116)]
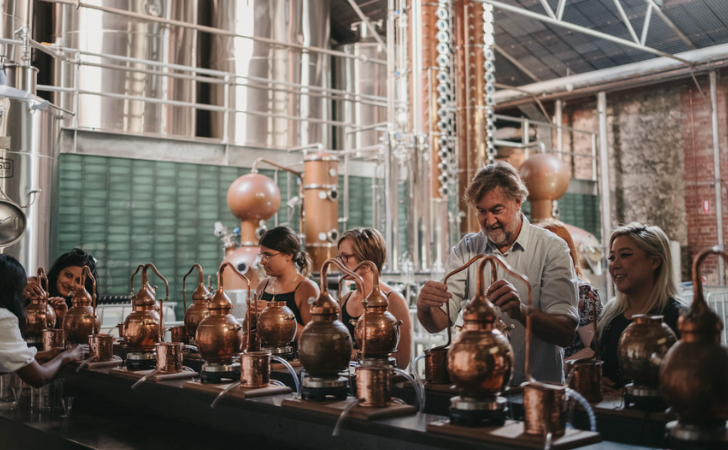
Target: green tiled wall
[(580, 210)]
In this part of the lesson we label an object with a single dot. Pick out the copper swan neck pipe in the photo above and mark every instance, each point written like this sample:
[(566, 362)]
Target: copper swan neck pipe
[(87, 272), (184, 279), (247, 281), (166, 295), (324, 267)]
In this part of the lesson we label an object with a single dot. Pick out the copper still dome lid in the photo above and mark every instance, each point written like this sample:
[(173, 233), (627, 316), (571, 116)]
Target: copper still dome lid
[(253, 197), (545, 177)]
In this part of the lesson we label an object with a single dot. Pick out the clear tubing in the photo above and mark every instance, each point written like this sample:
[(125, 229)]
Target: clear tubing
[(143, 379), (279, 382), (219, 396), (570, 393), (419, 389), (415, 374), (343, 415), (83, 364), (290, 369)]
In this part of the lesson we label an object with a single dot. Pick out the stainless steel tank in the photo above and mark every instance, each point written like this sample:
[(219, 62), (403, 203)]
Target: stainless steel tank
[(360, 78), (29, 134), (112, 34), (272, 108)]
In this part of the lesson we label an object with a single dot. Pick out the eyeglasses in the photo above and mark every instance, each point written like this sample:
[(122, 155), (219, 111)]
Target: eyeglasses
[(81, 253), (267, 256), (343, 257)]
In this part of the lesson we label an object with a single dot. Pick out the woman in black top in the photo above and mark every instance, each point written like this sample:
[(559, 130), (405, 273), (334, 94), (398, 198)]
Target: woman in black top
[(640, 264), (280, 251)]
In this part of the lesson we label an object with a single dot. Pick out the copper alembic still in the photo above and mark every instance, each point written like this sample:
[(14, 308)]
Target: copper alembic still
[(276, 326), (640, 352), (219, 335), (81, 320), (41, 314), (694, 372), (143, 326), (480, 359), (324, 346), (382, 329), (198, 310)]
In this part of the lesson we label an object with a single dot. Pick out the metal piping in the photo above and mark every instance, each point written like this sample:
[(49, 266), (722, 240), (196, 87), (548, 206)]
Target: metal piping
[(515, 62), (670, 24), (646, 24), (627, 23), (211, 30), (571, 26), (605, 195), (369, 25), (559, 131), (716, 169)]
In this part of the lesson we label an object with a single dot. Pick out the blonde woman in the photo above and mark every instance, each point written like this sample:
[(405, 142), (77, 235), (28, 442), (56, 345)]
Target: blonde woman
[(367, 244), (590, 306), (640, 264)]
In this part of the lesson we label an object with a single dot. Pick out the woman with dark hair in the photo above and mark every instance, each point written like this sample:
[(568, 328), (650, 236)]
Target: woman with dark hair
[(280, 253), (15, 355), (63, 277)]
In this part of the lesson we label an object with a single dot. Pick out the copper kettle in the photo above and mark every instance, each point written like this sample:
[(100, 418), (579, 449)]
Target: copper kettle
[(198, 310), (143, 328), (382, 329), (694, 372), (81, 318), (641, 349), (480, 359), (276, 325), (324, 346), (41, 314), (219, 335)]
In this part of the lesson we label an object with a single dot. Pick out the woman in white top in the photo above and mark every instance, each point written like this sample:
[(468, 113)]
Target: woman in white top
[(15, 355)]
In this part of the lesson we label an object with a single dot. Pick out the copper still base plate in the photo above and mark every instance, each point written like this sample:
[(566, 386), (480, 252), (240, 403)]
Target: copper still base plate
[(337, 406), (325, 389), (217, 373), (116, 361), (614, 405), (690, 436), (136, 374), (239, 392), (473, 412), (141, 360), (512, 434), (644, 398)]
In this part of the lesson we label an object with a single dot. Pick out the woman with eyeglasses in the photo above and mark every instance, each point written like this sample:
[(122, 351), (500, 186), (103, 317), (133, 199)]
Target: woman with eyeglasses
[(367, 244), (15, 355), (63, 278), (640, 264), (280, 257)]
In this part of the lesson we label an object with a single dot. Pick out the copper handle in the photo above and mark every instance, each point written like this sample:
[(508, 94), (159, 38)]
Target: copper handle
[(87, 271), (166, 296), (447, 304)]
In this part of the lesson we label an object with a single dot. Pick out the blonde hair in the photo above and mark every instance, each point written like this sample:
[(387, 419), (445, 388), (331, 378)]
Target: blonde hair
[(559, 229), (368, 245), (500, 175), (654, 242)]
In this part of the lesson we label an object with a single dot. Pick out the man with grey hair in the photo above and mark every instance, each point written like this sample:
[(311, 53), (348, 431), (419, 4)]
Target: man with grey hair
[(497, 193)]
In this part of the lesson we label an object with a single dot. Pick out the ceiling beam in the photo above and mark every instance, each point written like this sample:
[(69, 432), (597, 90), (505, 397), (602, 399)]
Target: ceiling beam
[(515, 62)]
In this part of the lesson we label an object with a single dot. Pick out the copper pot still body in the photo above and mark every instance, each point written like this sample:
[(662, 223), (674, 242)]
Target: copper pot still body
[(40, 313), (254, 369), (694, 372), (198, 310), (321, 197), (324, 346), (219, 335), (143, 325), (382, 330), (276, 325), (81, 321), (642, 347), (101, 347), (587, 379), (170, 357), (53, 338)]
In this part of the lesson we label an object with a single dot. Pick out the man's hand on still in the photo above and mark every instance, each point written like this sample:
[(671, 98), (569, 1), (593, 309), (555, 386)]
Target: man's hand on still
[(505, 296)]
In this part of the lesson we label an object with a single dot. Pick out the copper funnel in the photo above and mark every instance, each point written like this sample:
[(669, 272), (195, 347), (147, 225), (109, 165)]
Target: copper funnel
[(53, 338), (324, 346), (219, 335), (81, 321), (170, 357), (40, 313), (480, 359), (694, 372), (255, 369), (144, 327), (198, 310)]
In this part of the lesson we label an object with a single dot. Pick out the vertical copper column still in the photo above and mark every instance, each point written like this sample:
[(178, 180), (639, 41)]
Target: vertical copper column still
[(321, 197)]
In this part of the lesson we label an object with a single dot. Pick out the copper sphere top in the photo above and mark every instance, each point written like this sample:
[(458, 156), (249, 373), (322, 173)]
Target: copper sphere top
[(220, 301), (253, 197), (545, 177)]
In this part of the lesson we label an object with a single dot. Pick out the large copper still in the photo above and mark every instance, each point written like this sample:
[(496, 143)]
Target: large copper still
[(219, 335), (41, 314), (143, 327), (321, 197), (198, 310), (641, 349), (252, 198), (81, 318), (480, 359), (324, 346), (382, 329), (694, 372)]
